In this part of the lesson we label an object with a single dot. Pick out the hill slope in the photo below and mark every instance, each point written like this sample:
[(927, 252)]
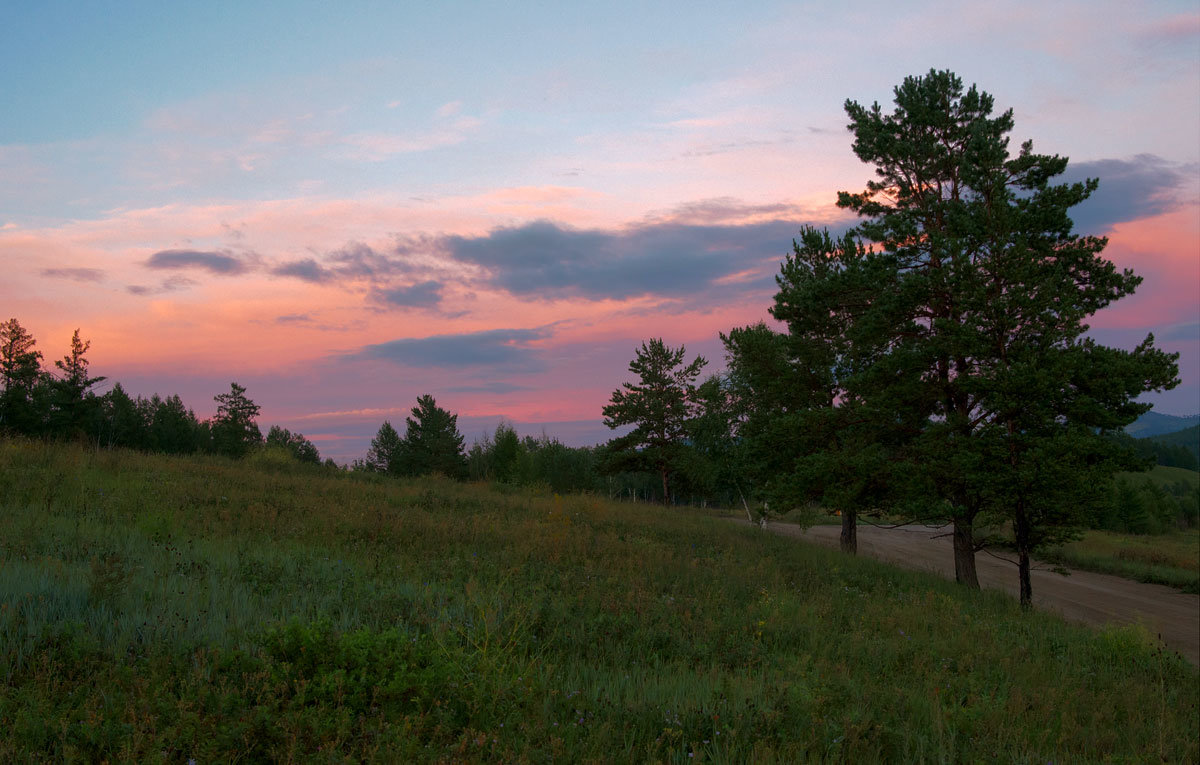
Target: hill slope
[(1156, 424), (204, 609)]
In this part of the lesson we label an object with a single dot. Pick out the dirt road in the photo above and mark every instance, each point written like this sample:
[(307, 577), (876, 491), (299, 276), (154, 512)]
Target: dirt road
[(1085, 597)]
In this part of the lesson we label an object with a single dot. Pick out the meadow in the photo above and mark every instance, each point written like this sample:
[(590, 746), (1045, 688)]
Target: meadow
[(1172, 559), (168, 609)]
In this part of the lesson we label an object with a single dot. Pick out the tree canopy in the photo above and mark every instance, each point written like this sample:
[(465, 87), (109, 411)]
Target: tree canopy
[(965, 307), (234, 430), (432, 443), (658, 405)]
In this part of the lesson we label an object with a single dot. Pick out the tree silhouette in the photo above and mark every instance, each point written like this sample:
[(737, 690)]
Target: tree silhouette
[(299, 446), (384, 454), (972, 297), (432, 443), (234, 431), (75, 406), (20, 368), (658, 406)]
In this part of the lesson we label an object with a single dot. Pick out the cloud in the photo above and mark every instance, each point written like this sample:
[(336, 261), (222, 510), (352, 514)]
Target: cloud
[(362, 261), (74, 274), (308, 269), (1141, 187), (293, 318), (668, 259), (173, 284), (422, 295), (495, 347), (220, 263)]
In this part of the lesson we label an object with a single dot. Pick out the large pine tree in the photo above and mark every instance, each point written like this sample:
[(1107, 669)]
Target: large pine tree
[(975, 319)]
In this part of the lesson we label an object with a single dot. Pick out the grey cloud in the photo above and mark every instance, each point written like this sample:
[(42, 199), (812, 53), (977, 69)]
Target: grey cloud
[(354, 262), (173, 284), (308, 269), (361, 261), (670, 259), (496, 347), (421, 295), (1142, 187), (213, 262), (74, 274), (293, 318)]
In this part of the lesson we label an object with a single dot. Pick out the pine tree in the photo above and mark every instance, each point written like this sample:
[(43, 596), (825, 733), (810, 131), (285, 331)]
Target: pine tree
[(384, 454), (234, 431), (75, 406), (20, 369), (658, 406), (975, 320), (432, 443)]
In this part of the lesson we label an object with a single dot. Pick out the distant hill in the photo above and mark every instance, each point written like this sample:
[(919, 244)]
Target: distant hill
[(1154, 424)]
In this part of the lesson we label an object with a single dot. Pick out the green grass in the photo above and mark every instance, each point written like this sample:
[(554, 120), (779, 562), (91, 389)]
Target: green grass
[(1171, 559), (160, 610), (1166, 476)]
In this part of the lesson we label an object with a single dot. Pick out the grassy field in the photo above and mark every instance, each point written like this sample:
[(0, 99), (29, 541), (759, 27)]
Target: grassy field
[(1171, 559), (1165, 476), (159, 609)]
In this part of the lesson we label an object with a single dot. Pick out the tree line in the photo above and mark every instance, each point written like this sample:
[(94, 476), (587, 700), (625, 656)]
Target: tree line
[(930, 364), (61, 402)]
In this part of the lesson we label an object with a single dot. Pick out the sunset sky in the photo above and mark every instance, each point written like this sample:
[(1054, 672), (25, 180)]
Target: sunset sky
[(342, 206)]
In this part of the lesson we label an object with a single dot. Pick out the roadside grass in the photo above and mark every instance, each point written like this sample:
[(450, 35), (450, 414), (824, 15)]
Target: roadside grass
[(1171, 559), (162, 609)]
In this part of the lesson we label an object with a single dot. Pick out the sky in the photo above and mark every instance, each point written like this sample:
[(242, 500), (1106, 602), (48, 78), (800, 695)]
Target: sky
[(343, 206)]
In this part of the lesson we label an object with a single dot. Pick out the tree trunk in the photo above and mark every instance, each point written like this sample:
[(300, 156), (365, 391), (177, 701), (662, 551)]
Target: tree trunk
[(1021, 533), (666, 497), (850, 532), (964, 553)]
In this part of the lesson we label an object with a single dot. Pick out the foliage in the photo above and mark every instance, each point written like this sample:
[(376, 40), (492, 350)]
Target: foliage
[(165, 609), (970, 299), (74, 404), (1179, 449), (234, 431), (20, 370), (384, 454), (431, 443), (658, 405), (296, 444)]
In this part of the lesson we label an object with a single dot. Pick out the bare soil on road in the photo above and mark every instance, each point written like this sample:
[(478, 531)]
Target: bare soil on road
[(1095, 599)]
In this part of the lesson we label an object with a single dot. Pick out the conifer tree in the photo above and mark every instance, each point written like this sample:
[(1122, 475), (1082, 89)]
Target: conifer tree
[(74, 402), (384, 454), (658, 406), (234, 430), (20, 368), (432, 443), (975, 319)]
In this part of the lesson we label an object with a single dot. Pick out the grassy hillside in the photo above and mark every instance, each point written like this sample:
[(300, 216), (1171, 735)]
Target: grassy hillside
[(1166, 476), (161, 609)]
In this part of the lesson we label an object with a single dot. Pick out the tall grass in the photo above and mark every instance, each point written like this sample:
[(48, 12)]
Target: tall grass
[(165, 609), (1172, 559)]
